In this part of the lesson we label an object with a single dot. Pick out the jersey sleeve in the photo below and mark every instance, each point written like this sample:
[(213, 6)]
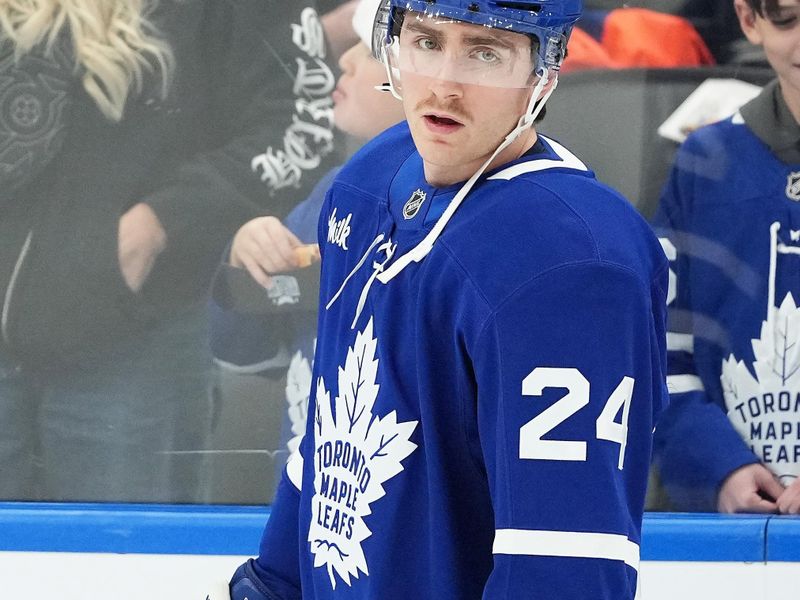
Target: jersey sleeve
[(275, 573), (696, 446), (570, 373)]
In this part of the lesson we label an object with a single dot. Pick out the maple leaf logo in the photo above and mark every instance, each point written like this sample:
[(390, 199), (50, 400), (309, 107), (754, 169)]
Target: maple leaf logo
[(356, 452), (298, 386), (764, 409)]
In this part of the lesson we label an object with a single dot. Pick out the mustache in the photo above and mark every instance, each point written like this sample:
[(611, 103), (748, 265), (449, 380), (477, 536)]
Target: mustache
[(453, 108)]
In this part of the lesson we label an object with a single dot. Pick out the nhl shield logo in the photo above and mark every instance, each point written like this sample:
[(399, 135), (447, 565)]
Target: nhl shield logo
[(413, 205), (793, 186)]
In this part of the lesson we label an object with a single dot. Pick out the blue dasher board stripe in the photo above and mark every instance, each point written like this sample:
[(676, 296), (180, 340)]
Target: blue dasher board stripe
[(236, 530)]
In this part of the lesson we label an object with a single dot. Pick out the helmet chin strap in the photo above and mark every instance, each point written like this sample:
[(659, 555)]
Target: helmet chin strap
[(526, 121)]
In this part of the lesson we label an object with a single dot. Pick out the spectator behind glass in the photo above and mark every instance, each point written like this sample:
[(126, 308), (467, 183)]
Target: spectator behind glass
[(718, 24), (730, 216), (138, 136), (337, 16), (283, 335)]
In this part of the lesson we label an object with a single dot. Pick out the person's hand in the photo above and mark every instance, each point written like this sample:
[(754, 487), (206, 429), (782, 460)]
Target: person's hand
[(789, 500), (264, 246), (751, 488), (141, 240)]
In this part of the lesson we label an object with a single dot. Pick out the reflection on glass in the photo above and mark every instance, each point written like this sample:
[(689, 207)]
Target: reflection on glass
[(135, 138)]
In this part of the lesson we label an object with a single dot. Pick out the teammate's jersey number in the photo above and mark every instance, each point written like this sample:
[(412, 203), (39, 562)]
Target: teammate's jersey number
[(531, 444)]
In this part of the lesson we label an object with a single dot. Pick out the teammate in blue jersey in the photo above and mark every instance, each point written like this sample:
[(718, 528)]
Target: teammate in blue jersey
[(731, 219), (491, 348)]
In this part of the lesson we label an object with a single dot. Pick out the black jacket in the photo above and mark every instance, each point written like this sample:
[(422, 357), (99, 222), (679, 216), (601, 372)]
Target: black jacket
[(246, 129)]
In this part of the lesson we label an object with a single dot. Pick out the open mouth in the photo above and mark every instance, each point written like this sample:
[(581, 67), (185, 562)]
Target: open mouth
[(446, 121), (442, 124)]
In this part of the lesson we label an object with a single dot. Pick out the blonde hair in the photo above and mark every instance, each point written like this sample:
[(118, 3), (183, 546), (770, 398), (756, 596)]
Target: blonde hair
[(113, 41)]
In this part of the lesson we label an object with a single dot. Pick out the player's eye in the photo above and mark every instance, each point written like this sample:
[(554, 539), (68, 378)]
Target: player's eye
[(426, 43), (487, 56)]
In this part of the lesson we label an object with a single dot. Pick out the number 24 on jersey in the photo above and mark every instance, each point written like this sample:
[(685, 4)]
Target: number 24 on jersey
[(531, 444)]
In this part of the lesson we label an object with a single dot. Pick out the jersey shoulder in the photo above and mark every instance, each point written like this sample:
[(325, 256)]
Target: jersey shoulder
[(719, 166), (546, 213), (732, 130), (726, 154)]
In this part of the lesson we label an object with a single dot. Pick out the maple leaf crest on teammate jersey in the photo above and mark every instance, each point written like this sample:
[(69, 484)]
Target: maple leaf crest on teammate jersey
[(356, 451), (765, 409), (298, 384)]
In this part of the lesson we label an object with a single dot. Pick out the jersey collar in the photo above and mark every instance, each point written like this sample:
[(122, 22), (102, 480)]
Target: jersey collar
[(415, 204)]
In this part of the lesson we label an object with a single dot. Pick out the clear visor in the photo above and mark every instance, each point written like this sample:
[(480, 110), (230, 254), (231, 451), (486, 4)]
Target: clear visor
[(438, 47)]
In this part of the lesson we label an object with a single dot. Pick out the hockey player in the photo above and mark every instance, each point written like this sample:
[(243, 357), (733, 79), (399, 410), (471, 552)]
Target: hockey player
[(730, 215), (491, 354)]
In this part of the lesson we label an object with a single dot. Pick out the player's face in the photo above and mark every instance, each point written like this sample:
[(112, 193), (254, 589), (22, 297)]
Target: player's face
[(359, 109), (464, 89), (778, 31)]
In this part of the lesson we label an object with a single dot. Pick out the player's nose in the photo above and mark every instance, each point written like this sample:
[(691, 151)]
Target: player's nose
[(444, 83)]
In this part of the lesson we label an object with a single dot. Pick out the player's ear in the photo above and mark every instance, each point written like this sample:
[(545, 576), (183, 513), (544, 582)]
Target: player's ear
[(747, 21)]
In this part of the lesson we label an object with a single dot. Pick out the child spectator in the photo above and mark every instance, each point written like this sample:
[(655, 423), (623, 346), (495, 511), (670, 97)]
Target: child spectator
[(280, 331), (730, 216)]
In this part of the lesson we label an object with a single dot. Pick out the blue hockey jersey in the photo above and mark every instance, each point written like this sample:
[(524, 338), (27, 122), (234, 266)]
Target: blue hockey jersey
[(479, 425), (730, 218)]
